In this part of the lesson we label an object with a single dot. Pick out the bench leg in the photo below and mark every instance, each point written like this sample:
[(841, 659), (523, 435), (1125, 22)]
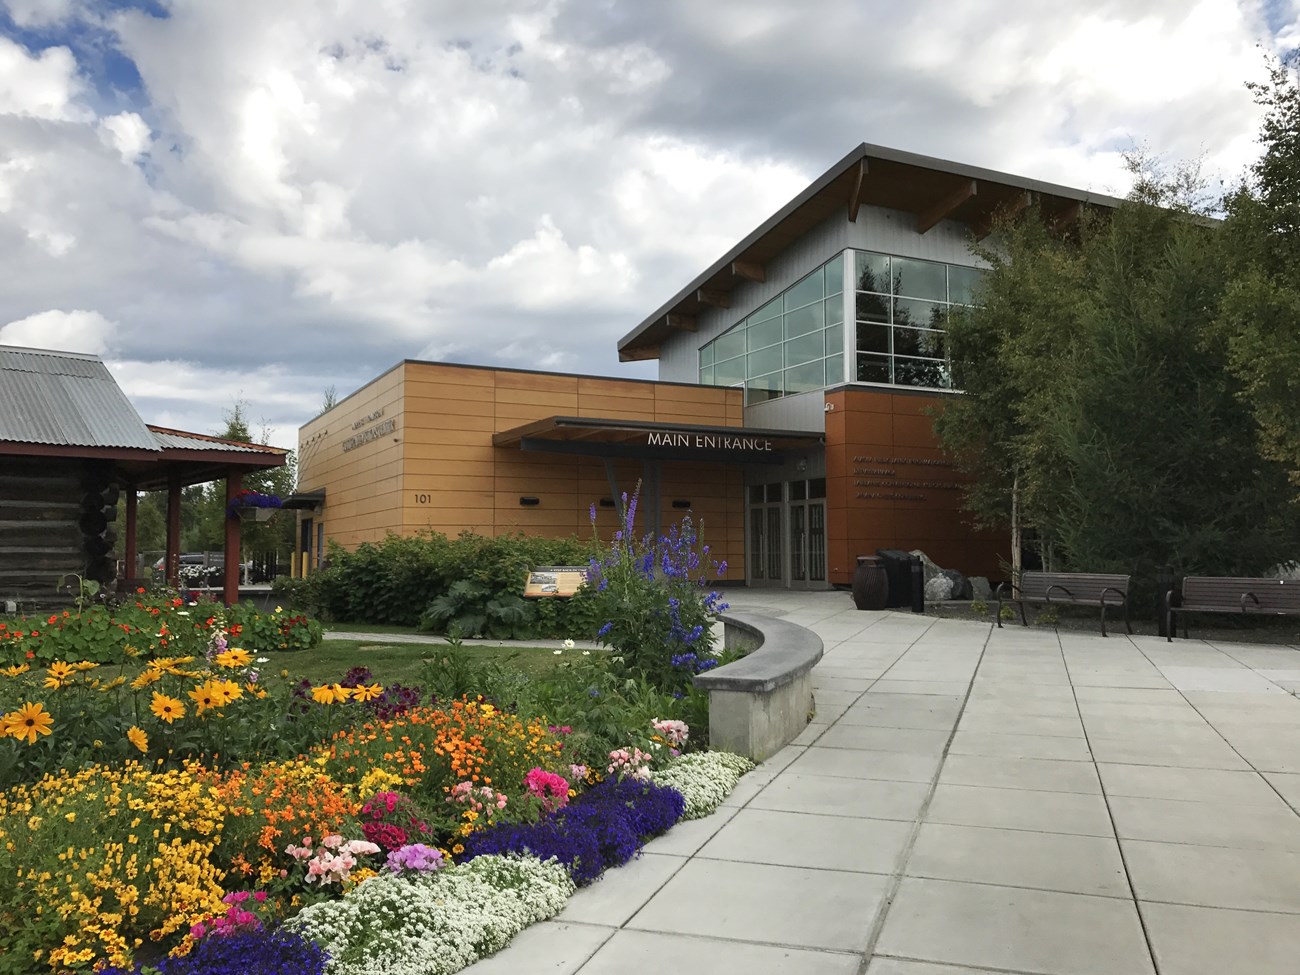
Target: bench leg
[(998, 615), (1103, 619), (1023, 621)]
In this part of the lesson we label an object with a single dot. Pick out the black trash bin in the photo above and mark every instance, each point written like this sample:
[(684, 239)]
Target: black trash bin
[(898, 570)]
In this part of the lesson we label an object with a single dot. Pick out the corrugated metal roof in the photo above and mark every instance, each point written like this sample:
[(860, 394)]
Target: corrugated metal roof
[(187, 441), (66, 399)]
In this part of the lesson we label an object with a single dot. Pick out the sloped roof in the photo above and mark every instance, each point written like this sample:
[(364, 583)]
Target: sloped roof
[(180, 440), (66, 399), (870, 175)]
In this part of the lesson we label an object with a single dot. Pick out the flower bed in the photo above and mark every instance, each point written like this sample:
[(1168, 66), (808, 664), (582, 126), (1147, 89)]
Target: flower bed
[(173, 812)]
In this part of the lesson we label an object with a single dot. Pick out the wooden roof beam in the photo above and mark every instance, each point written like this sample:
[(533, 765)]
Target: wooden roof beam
[(1009, 210), (713, 296), (685, 323), (1065, 218), (750, 270), (638, 353), (945, 206), (855, 196)]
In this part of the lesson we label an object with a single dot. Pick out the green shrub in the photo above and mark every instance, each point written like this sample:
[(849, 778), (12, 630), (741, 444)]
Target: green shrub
[(472, 582)]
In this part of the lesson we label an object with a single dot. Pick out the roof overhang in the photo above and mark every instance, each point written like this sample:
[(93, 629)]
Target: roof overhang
[(930, 189), (612, 439)]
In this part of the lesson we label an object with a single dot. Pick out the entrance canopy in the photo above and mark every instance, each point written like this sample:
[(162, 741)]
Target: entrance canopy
[(612, 439)]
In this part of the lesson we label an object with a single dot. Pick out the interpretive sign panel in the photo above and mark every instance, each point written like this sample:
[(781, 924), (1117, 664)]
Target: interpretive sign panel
[(555, 580)]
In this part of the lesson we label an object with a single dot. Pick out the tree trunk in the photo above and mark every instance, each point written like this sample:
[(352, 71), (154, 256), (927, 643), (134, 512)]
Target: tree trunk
[(1015, 533)]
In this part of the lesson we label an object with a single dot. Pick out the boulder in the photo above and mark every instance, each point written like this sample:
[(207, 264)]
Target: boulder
[(980, 588), (938, 589), (961, 587)]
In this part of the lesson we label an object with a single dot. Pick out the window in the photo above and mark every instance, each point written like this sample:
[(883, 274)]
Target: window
[(793, 344), (902, 307)]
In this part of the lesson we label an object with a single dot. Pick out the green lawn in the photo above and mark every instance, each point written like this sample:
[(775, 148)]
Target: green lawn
[(398, 662)]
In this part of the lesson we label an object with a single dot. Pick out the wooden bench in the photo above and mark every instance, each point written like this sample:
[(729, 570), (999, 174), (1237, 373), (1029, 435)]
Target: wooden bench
[(1069, 589), (1228, 594)]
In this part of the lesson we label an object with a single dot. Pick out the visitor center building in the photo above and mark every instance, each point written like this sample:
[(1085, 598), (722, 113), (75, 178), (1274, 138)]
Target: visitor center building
[(799, 375)]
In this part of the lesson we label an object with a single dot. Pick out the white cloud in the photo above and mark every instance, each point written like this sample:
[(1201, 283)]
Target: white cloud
[(43, 85), (39, 13), (126, 132), (297, 195), (66, 331)]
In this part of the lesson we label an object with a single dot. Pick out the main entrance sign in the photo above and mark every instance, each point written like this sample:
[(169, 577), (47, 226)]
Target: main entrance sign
[(706, 441)]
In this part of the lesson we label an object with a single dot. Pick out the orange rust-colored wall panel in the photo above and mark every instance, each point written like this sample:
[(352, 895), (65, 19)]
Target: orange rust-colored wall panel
[(890, 486)]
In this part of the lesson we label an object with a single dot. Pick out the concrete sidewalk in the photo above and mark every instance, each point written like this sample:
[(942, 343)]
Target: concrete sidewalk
[(971, 800)]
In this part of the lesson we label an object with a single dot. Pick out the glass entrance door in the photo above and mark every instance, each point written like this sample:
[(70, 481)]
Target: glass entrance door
[(766, 548), (807, 541)]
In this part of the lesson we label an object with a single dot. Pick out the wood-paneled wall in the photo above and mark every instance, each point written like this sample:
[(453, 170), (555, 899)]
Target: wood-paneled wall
[(889, 485), (439, 470)]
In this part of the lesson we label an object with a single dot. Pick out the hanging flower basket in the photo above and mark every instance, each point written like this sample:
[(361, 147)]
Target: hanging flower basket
[(253, 506)]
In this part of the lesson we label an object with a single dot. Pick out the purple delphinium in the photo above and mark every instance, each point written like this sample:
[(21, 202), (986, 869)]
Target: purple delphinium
[(278, 952)]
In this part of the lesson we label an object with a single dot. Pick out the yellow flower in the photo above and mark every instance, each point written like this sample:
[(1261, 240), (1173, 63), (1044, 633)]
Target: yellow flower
[(116, 682), (27, 722), (167, 708), (71, 817), (138, 738), (58, 674), (16, 669), (234, 658), (329, 693), (206, 696), (85, 665), (226, 690), (147, 677), (131, 651), (364, 693)]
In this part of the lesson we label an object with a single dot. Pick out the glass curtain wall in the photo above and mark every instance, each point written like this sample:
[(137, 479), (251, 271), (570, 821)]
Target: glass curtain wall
[(793, 344), (902, 308)]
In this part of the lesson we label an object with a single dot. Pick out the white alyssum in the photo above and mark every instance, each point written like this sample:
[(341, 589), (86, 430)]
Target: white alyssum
[(704, 779), (434, 923)]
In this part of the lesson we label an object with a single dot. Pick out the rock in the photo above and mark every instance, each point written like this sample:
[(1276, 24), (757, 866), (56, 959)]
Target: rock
[(961, 588), (928, 568), (980, 588), (938, 589)]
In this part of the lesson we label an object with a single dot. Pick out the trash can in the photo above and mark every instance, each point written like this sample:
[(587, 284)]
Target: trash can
[(898, 572), (870, 585)]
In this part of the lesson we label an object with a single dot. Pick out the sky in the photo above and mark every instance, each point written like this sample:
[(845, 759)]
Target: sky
[(236, 201)]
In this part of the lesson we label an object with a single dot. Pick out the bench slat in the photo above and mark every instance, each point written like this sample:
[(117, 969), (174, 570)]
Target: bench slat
[(1224, 594)]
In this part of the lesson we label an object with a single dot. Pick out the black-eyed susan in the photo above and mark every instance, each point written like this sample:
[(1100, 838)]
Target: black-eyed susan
[(85, 665), (234, 657), (206, 697), (146, 677), (27, 722), (138, 738), (330, 693), (14, 670), (58, 674), (365, 692), (167, 708), (225, 690)]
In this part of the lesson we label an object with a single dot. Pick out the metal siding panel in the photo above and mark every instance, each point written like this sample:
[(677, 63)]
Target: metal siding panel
[(798, 411), (679, 358), (894, 232)]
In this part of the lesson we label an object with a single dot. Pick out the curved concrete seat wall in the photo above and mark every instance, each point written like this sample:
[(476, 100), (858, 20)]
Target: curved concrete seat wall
[(759, 703)]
